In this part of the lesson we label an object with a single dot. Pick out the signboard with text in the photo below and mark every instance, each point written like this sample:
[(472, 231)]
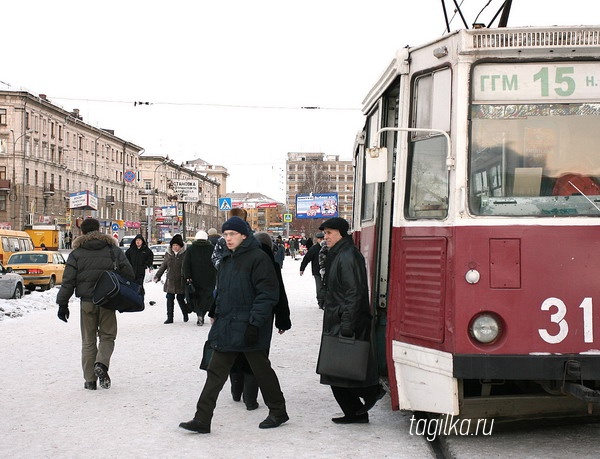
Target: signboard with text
[(85, 200), (185, 190)]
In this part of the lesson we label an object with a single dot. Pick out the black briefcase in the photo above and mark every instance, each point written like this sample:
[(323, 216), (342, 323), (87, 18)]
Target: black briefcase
[(343, 357), (113, 291)]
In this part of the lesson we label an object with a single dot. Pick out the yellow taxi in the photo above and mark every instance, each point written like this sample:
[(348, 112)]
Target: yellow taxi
[(39, 268)]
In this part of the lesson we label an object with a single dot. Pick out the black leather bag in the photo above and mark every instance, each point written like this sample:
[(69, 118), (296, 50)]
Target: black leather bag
[(207, 353), (190, 297), (343, 357)]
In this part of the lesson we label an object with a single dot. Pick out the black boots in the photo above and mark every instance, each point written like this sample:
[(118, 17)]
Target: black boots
[(170, 309), (101, 371)]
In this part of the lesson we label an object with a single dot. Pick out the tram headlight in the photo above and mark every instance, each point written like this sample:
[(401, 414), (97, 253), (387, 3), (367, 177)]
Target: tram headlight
[(485, 328)]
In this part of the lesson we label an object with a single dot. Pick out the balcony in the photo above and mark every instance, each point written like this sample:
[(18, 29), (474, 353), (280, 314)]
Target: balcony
[(4, 185), (49, 190)]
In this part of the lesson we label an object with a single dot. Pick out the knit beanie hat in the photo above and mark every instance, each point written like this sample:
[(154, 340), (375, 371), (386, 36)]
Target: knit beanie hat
[(201, 235), (212, 231), (236, 224), (177, 239)]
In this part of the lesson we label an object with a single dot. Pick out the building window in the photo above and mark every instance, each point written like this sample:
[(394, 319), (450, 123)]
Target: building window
[(2, 202), (3, 116)]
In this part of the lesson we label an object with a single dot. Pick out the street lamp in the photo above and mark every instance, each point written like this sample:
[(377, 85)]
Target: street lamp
[(154, 192), (13, 193)]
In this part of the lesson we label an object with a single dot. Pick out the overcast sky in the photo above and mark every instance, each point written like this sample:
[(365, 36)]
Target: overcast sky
[(226, 79)]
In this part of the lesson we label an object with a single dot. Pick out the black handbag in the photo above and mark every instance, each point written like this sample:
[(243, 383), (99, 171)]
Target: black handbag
[(343, 357), (113, 291), (207, 353), (190, 297)]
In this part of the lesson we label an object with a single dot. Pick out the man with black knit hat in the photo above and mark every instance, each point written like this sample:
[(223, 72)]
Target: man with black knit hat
[(93, 253), (347, 313), (247, 292)]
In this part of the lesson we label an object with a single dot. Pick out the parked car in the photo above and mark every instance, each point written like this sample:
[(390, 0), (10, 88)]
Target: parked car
[(11, 284), (159, 253), (126, 241), (39, 268)]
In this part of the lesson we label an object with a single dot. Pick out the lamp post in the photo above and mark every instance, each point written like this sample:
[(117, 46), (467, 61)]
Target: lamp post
[(13, 193), (154, 193)]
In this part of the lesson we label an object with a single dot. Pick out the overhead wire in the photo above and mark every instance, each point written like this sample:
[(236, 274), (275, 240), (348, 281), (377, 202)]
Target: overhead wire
[(135, 103)]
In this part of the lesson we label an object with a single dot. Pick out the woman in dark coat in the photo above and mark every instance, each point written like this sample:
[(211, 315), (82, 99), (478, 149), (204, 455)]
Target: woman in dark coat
[(140, 257), (175, 283), (347, 312), (200, 271)]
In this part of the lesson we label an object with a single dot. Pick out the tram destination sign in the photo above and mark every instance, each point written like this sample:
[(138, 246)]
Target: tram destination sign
[(545, 81)]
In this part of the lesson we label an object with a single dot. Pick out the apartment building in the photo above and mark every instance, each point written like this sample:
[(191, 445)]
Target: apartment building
[(56, 169), (318, 173)]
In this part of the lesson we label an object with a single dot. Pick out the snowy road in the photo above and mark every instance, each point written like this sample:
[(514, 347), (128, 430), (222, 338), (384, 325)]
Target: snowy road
[(45, 412)]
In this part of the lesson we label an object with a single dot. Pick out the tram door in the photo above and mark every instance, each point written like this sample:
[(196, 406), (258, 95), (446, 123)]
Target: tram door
[(376, 204)]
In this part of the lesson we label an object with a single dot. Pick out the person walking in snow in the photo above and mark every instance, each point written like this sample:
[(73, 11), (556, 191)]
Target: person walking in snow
[(175, 283), (199, 270), (140, 257), (247, 292), (91, 256)]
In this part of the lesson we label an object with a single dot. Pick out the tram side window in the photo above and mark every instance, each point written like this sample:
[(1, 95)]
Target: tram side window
[(427, 184)]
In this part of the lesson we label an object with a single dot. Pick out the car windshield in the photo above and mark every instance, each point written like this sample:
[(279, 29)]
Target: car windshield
[(27, 258)]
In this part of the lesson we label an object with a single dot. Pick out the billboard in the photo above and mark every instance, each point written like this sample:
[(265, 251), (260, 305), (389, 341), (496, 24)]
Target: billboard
[(317, 205)]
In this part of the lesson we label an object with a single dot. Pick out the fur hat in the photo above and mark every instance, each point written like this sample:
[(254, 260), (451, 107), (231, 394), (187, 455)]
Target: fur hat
[(236, 224), (177, 239), (337, 223), (212, 231), (201, 235), (320, 235)]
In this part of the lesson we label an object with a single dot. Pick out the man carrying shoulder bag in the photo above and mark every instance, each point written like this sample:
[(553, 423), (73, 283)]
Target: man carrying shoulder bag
[(93, 253)]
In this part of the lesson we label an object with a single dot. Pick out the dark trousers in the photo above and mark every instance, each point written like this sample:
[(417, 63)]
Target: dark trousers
[(216, 376), (244, 385), (320, 290), (349, 397)]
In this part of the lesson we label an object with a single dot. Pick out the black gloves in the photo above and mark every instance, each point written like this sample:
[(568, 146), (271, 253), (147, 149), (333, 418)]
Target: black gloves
[(251, 335), (63, 312), (347, 332)]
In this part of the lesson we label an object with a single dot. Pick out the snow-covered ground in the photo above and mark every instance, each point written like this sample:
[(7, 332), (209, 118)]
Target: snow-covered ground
[(45, 411)]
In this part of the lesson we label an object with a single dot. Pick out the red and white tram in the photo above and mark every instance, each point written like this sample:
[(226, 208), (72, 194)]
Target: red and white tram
[(477, 207)]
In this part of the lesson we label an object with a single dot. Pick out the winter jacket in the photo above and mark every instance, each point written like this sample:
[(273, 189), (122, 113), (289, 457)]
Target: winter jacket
[(347, 303), (247, 292), (197, 265), (91, 256), (173, 264), (281, 311), (279, 253), (140, 259), (312, 257)]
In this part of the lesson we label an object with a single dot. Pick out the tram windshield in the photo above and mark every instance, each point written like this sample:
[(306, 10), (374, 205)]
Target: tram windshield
[(535, 159)]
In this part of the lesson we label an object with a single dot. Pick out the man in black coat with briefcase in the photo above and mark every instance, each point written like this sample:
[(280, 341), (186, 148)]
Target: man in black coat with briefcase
[(347, 313), (93, 253)]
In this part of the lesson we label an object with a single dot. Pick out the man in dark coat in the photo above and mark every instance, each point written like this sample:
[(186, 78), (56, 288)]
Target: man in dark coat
[(347, 312), (93, 253), (200, 271), (247, 291), (243, 381), (312, 257), (140, 257)]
